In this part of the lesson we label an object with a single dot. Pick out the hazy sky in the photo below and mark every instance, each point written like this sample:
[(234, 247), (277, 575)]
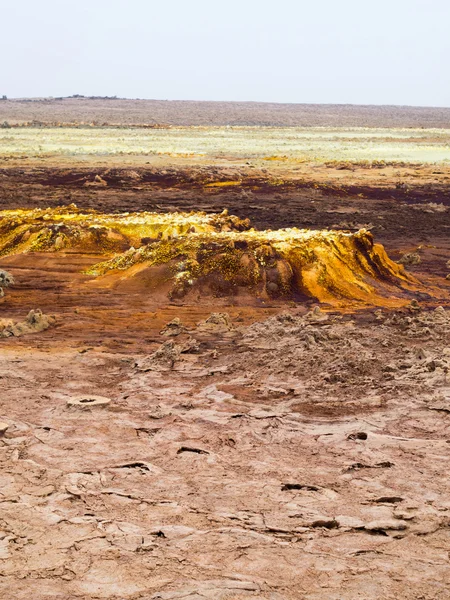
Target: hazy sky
[(326, 51)]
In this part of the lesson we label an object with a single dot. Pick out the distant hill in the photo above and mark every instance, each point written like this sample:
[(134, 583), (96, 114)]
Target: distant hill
[(116, 111)]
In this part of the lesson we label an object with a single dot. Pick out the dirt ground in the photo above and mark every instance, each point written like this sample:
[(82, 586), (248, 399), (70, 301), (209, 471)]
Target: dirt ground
[(101, 111), (273, 451)]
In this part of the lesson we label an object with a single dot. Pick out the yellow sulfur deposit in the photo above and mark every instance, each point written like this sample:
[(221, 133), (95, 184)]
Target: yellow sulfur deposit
[(67, 227), (186, 254), (331, 266)]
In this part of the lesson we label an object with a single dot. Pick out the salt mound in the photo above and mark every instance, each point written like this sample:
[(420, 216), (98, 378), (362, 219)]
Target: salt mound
[(330, 266)]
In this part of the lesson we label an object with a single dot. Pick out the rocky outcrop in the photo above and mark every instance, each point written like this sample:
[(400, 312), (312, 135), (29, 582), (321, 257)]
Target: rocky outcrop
[(35, 322), (331, 266), (68, 228)]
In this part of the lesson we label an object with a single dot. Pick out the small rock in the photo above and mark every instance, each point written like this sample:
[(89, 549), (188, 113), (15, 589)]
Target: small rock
[(403, 515), (386, 525), (212, 393), (349, 522), (414, 306), (388, 500), (6, 279), (360, 435), (35, 322), (173, 328), (88, 401), (411, 258), (216, 323), (325, 522)]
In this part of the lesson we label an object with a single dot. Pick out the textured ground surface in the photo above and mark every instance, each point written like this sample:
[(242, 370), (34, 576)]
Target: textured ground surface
[(279, 453), (298, 457)]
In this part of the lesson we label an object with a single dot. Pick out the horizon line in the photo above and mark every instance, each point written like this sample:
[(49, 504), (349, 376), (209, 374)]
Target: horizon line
[(112, 98)]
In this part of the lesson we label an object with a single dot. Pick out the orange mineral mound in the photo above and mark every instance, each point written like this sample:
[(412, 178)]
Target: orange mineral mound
[(68, 228), (335, 267)]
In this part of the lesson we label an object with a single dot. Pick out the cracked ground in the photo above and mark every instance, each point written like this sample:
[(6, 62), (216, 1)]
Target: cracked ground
[(299, 455)]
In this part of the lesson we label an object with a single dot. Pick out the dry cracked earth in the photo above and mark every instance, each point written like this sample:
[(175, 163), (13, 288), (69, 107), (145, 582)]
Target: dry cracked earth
[(301, 456), (242, 452)]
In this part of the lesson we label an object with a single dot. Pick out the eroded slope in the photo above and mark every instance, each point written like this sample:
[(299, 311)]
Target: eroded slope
[(291, 263)]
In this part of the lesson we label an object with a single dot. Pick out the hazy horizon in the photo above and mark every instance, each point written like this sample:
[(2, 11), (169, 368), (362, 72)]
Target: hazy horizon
[(291, 52)]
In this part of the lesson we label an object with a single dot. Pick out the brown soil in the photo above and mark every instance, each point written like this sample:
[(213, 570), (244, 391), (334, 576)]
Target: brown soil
[(286, 455), (100, 111)]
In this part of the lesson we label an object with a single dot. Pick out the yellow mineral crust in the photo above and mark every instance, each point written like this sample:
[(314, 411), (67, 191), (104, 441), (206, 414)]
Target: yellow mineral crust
[(332, 266), (67, 227)]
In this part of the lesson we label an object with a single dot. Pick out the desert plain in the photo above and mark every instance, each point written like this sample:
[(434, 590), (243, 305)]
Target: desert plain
[(224, 351)]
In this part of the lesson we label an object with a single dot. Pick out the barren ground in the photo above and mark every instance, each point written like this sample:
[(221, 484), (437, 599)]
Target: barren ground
[(164, 112), (297, 454)]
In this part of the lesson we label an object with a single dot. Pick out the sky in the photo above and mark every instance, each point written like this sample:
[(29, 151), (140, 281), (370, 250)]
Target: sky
[(316, 51)]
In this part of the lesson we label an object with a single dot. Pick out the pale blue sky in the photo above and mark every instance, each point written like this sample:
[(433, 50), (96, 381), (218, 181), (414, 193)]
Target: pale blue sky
[(325, 51)]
